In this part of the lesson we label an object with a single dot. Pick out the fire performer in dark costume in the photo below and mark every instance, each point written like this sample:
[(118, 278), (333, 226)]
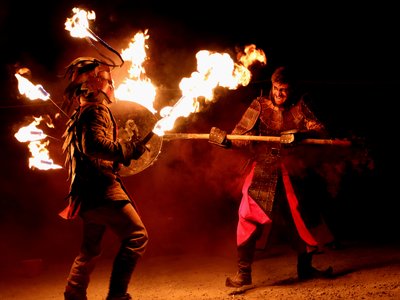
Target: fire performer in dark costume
[(97, 195), (269, 191)]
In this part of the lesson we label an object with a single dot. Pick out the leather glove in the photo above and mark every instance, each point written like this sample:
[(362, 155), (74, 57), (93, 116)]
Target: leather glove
[(218, 137), (132, 150)]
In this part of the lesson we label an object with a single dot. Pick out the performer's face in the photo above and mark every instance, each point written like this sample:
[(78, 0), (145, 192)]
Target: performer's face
[(280, 92), (107, 85)]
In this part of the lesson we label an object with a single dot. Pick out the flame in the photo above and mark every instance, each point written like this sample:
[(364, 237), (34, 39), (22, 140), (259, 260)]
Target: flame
[(138, 87), (78, 24), (40, 155), (30, 90), (213, 70), (252, 54)]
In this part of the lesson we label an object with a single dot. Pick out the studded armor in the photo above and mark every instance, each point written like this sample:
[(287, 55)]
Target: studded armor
[(264, 118)]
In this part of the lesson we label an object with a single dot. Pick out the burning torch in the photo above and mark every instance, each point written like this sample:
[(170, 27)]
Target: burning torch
[(78, 25), (32, 91)]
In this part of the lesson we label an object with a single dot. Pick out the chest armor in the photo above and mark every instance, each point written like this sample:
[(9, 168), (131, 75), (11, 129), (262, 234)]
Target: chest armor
[(272, 121)]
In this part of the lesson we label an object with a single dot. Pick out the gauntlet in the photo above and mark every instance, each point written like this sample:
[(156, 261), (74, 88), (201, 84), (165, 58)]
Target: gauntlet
[(218, 137)]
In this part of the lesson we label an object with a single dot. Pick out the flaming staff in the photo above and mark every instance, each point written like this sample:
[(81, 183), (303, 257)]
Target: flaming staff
[(137, 87), (213, 70), (32, 91), (78, 25), (40, 155), (276, 139)]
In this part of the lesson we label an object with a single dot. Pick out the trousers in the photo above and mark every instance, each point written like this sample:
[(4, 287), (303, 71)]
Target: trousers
[(123, 220)]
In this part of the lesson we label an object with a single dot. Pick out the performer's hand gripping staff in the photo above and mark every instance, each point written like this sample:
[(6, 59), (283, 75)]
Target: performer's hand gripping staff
[(221, 138), (132, 146)]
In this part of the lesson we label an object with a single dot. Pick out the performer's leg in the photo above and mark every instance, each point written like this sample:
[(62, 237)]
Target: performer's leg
[(305, 254), (245, 254), (128, 226), (306, 271), (84, 263)]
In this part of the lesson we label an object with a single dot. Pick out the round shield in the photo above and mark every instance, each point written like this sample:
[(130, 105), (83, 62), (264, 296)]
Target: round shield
[(136, 122)]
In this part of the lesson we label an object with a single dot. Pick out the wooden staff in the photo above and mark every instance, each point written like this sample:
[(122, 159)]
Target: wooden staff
[(277, 139)]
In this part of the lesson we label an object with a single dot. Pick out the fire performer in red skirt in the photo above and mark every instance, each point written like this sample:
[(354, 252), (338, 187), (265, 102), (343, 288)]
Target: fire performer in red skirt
[(270, 192)]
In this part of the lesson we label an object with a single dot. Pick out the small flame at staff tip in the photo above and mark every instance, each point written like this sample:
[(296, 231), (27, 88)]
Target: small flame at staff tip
[(78, 24), (252, 54), (40, 155), (30, 90)]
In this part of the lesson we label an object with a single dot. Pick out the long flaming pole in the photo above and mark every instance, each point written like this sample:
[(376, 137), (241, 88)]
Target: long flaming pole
[(206, 136)]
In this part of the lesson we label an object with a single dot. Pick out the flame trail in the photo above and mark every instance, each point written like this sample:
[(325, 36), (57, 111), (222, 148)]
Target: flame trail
[(213, 70)]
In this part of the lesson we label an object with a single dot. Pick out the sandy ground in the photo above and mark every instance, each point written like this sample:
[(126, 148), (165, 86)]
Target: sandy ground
[(361, 271)]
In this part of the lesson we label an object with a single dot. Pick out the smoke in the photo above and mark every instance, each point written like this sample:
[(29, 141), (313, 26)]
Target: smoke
[(187, 197)]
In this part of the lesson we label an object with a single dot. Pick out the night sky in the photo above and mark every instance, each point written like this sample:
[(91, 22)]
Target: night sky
[(347, 56)]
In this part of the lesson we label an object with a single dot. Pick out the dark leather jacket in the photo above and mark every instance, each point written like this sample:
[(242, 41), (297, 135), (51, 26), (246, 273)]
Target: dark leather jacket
[(93, 156)]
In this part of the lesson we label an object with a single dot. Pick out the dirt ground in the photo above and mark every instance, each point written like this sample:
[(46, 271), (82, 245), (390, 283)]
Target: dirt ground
[(361, 271)]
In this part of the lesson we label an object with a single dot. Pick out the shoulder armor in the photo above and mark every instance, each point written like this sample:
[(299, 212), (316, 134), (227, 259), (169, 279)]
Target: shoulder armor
[(249, 118)]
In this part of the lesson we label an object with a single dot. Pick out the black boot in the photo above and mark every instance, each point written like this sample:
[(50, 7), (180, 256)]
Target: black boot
[(121, 297), (122, 270), (74, 293), (306, 271), (245, 259), (240, 279)]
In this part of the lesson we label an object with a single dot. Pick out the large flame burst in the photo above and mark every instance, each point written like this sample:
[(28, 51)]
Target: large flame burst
[(213, 70)]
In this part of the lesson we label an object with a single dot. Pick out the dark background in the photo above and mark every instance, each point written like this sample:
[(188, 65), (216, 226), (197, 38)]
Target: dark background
[(347, 56)]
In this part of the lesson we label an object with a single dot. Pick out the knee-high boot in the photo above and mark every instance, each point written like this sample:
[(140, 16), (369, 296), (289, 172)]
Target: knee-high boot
[(305, 270), (245, 260), (121, 274), (79, 276)]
